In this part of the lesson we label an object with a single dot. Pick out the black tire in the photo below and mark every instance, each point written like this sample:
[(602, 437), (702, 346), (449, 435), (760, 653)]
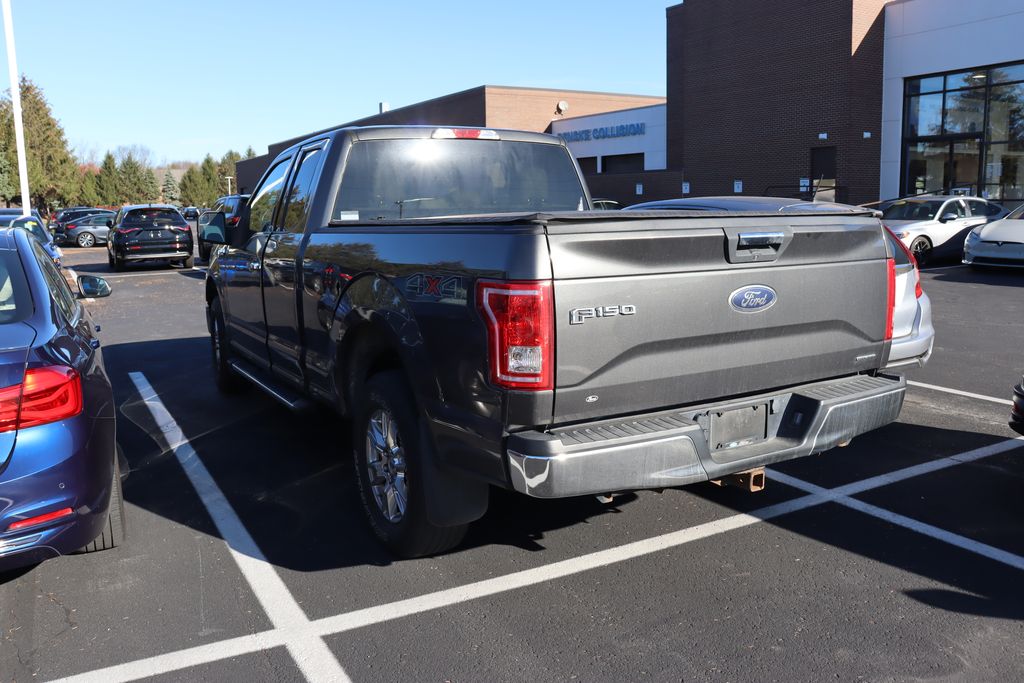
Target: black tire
[(204, 251), (114, 530), (412, 534), (227, 380), (116, 264), (188, 262), (921, 248), (86, 240)]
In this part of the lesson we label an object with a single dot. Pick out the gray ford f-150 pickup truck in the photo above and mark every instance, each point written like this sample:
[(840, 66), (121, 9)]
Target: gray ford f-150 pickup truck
[(449, 291)]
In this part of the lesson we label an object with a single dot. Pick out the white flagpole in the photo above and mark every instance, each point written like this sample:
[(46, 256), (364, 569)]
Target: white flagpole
[(19, 130)]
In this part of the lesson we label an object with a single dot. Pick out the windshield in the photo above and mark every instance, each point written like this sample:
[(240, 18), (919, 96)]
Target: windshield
[(912, 211), (143, 217), (392, 179)]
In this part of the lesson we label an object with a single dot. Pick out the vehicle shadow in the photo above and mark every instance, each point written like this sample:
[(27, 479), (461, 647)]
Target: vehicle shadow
[(290, 479)]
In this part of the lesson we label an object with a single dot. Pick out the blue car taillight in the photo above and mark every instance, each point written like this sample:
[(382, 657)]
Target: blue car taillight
[(46, 394)]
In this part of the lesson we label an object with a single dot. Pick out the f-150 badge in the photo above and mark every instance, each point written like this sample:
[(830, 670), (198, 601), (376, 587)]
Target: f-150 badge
[(753, 298), (578, 316)]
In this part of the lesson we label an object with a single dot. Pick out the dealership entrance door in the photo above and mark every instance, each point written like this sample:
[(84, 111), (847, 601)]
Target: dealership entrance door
[(946, 165)]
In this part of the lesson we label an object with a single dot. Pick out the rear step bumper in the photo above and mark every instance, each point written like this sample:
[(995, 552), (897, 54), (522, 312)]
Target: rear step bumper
[(671, 448)]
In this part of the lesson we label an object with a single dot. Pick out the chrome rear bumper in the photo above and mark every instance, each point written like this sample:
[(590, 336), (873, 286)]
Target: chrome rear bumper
[(671, 448)]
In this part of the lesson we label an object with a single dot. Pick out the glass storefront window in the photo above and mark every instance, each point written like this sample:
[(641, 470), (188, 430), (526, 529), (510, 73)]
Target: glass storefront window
[(964, 131), (966, 79), (924, 115), (965, 111), (1006, 113), (926, 167), (1006, 74), (1004, 171), (918, 86)]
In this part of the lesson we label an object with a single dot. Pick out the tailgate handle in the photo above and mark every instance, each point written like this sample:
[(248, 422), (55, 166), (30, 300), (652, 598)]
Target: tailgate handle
[(760, 240)]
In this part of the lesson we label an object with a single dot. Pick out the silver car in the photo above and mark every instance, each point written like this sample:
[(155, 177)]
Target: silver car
[(912, 333), (87, 231)]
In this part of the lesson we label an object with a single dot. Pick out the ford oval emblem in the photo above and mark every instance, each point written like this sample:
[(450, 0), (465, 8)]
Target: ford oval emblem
[(753, 298)]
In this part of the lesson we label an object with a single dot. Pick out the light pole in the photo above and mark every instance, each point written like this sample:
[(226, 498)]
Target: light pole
[(19, 130), (227, 177)]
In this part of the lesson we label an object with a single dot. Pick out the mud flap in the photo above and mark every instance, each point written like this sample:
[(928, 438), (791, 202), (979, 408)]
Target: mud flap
[(452, 498)]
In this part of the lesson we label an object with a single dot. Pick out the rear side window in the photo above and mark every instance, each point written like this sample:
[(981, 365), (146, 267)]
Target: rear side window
[(58, 286), (15, 299), (416, 178), (145, 217), (301, 192)]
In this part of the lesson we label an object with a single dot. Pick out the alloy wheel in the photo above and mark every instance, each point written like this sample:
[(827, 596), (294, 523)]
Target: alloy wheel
[(86, 240), (385, 465)]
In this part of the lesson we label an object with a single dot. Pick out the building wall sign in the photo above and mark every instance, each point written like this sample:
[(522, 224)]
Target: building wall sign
[(621, 131)]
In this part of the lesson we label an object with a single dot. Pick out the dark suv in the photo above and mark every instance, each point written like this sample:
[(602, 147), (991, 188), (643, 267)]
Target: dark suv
[(231, 205), (149, 231)]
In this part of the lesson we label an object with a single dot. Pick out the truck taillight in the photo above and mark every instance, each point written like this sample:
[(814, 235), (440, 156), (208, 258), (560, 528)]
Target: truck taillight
[(47, 394), (918, 292), (520, 331), (891, 294)]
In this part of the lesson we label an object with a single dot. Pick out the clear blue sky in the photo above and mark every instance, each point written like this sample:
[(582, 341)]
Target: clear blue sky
[(187, 77)]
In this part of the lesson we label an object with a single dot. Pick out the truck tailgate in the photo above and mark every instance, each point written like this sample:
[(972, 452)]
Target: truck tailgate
[(667, 309)]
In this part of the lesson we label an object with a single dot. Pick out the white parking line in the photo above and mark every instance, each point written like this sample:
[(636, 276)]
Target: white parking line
[(958, 392), (348, 621), (312, 655), (842, 494)]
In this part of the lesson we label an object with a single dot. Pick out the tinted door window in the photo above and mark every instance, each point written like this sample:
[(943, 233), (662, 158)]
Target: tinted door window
[(15, 302), (301, 193), (977, 208), (265, 199), (58, 287)]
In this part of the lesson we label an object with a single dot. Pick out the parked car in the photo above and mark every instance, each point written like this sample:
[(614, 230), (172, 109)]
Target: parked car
[(33, 225), (85, 231), (1017, 412), (148, 232), (999, 243), (190, 213), (912, 333), (440, 287), (76, 214), (231, 206), (60, 482), (936, 225)]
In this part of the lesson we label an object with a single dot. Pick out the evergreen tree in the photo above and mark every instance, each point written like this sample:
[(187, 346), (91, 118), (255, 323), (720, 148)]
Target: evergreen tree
[(150, 187), (8, 181), (131, 180), (89, 195), (52, 175), (192, 190), (210, 173), (249, 153), (106, 182), (225, 168), (170, 188)]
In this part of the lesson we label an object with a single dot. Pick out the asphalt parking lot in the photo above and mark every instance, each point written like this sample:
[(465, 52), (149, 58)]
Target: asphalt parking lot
[(898, 557)]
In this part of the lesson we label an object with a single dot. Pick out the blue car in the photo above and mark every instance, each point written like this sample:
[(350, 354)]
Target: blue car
[(60, 484)]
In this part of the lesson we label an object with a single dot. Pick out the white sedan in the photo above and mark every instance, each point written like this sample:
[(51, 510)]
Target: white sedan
[(999, 243)]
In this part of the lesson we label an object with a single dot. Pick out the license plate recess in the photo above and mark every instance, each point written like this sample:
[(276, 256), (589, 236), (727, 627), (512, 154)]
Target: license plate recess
[(738, 426)]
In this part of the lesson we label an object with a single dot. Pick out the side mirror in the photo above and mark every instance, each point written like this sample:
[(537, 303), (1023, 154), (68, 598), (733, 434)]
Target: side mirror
[(110, 223), (946, 217), (92, 286), (213, 231)]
